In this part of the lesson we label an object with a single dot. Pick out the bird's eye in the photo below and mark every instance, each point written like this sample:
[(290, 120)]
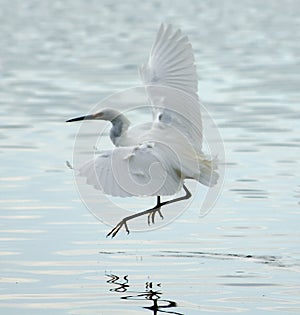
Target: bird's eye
[(160, 116)]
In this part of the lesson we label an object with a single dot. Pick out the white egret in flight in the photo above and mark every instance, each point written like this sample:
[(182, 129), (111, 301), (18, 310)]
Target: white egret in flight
[(156, 159)]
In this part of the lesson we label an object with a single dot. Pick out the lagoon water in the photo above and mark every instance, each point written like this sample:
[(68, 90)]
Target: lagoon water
[(56, 60)]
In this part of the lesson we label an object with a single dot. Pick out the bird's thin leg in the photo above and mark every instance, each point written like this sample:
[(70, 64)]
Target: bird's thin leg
[(122, 223), (151, 214)]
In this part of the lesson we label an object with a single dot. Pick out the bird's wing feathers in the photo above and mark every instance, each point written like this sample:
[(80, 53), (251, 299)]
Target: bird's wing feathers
[(171, 83), (171, 62), (144, 170)]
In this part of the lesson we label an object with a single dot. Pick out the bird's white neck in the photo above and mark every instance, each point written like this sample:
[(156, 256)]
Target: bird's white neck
[(120, 125)]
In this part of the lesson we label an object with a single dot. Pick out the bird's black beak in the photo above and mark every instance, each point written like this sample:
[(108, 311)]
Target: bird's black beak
[(87, 117)]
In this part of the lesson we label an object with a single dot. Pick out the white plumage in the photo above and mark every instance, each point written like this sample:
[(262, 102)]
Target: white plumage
[(171, 81), (171, 62), (136, 168), (142, 170), (156, 159)]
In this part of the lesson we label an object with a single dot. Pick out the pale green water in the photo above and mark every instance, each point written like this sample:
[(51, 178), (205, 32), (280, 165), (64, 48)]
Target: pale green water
[(56, 60)]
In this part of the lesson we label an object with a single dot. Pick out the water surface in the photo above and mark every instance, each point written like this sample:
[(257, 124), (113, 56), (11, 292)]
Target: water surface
[(59, 58)]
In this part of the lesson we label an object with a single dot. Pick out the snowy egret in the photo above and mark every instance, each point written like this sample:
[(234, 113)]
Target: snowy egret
[(155, 159)]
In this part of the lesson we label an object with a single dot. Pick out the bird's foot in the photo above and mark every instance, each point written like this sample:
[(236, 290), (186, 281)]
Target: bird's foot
[(117, 228), (152, 213), (151, 216)]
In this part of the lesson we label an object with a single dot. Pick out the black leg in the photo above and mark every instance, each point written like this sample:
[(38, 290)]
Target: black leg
[(155, 210), (150, 212)]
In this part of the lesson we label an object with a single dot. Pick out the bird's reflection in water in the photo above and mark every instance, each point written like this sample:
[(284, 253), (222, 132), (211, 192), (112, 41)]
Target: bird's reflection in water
[(151, 293)]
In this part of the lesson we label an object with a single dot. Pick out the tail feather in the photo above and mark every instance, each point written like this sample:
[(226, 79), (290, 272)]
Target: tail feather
[(208, 174)]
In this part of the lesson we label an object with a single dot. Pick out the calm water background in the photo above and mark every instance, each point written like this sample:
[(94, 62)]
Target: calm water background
[(56, 59)]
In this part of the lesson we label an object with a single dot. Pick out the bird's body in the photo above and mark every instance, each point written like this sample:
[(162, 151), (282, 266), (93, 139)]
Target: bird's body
[(155, 158)]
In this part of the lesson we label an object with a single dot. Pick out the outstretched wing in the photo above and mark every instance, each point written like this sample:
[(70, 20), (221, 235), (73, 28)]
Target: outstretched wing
[(171, 62), (171, 83), (144, 170)]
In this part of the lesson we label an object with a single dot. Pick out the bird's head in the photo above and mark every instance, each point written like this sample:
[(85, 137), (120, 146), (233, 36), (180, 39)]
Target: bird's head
[(105, 114)]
